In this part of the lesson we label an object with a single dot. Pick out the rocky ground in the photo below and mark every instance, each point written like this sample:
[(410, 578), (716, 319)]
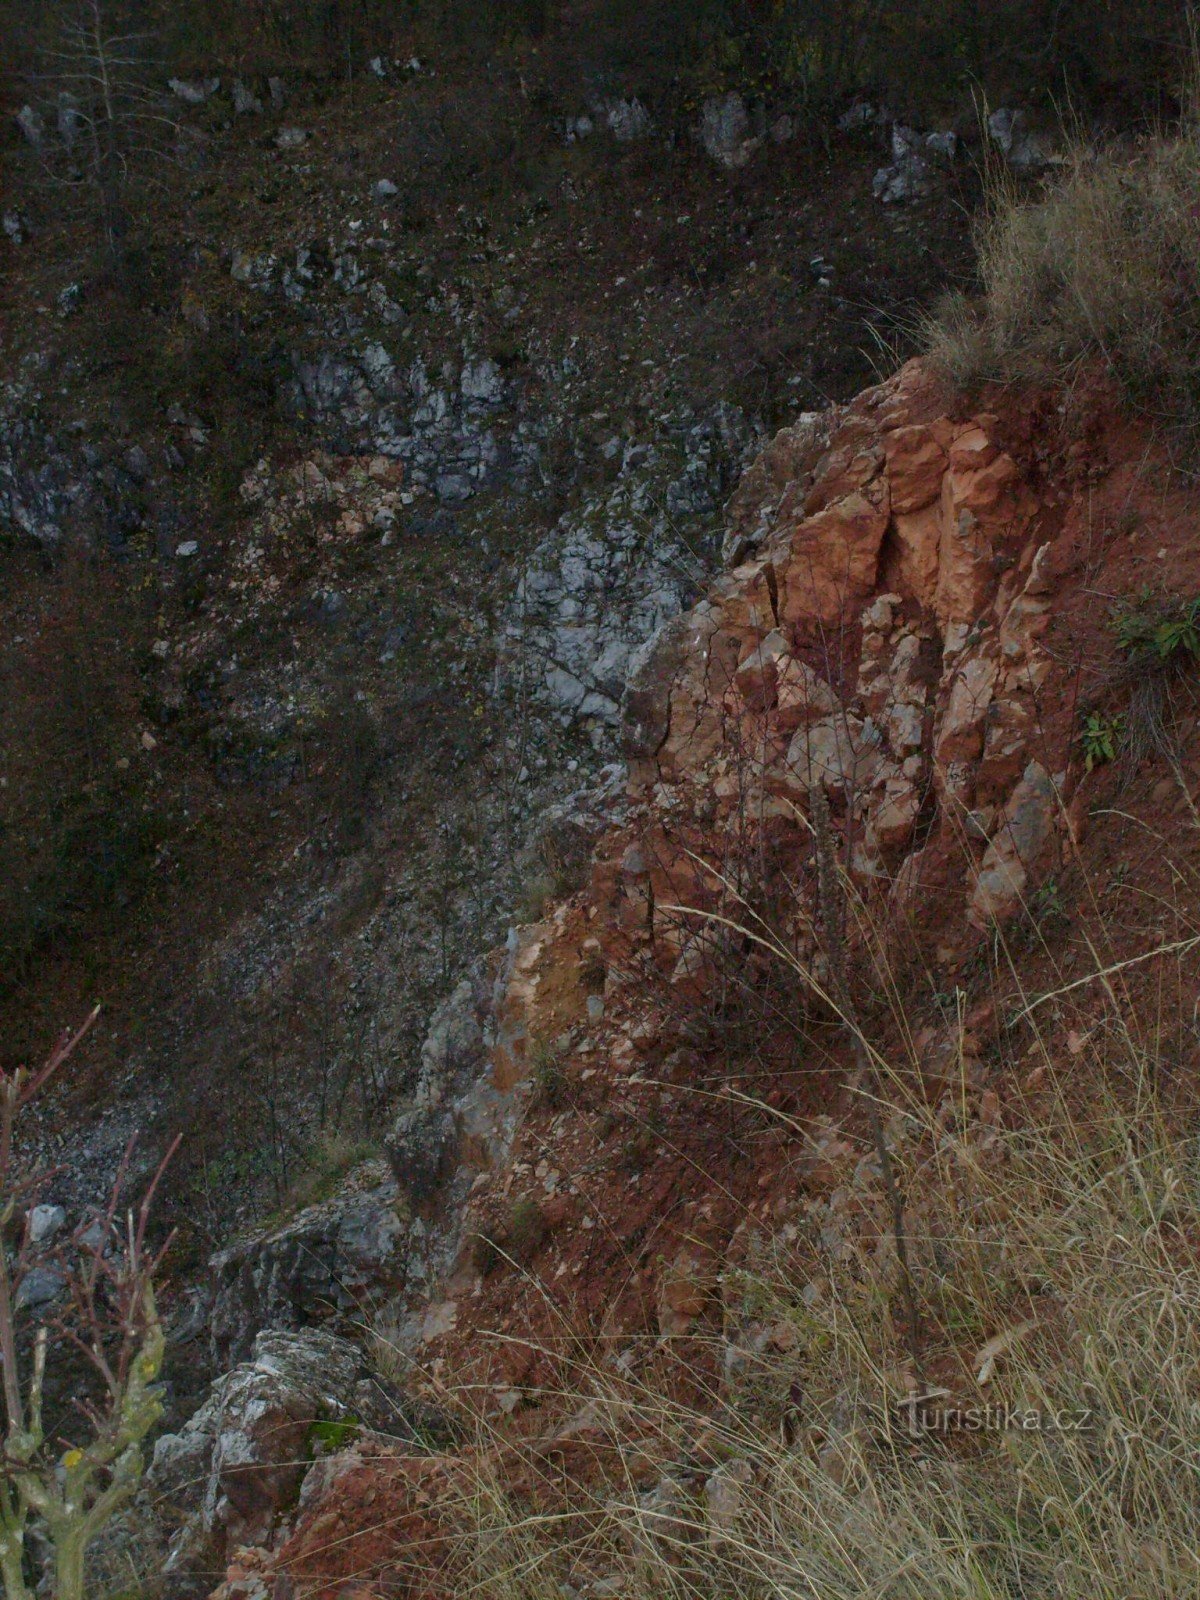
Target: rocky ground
[(459, 591), (897, 660), (358, 506)]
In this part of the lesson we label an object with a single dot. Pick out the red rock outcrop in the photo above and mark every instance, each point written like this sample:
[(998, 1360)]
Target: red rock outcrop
[(901, 649), (881, 638)]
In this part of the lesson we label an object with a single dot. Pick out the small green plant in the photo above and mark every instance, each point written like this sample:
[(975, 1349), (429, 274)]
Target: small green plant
[(327, 1435), (1099, 738), (1159, 640), (1164, 635), (1048, 904)]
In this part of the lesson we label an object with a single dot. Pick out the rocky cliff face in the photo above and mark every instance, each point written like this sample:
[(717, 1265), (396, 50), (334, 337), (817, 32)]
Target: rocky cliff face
[(886, 684), (881, 639)]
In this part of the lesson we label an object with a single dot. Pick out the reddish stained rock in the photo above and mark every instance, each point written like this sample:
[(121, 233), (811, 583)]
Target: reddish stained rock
[(917, 538), (379, 1521), (959, 732), (982, 510), (972, 450), (784, 469), (833, 560), (897, 813), (758, 671), (686, 1285), (922, 648), (916, 463), (835, 753), (801, 696)]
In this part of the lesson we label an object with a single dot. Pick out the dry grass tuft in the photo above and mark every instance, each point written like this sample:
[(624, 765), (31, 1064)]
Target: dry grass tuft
[(1044, 1445), (1103, 265), (1068, 1277)]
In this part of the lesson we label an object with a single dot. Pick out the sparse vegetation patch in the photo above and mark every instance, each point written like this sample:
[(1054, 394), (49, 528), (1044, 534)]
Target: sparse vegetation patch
[(1100, 267)]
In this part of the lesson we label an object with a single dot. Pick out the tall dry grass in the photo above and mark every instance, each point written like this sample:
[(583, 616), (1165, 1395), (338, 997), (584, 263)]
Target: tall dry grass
[(1094, 1492), (1039, 1438), (1045, 1442), (1101, 266)]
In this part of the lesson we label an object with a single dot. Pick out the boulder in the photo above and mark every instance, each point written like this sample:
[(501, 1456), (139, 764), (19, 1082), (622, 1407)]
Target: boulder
[(594, 591), (895, 814), (1011, 135), (725, 1500), (862, 114), (725, 132), (482, 383), (327, 1261), (984, 506), (194, 92), (909, 177), (40, 1287), (32, 126), (68, 116), (687, 1284), (422, 1145), (245, 101), (773, 480), (242, 1457), (1016, 849), (627, 120), (758, 671), (802, 696), (834, 559), (966, 698), (916, 463), (838, 752), (44, 1222), (918, 537), (646, 705)]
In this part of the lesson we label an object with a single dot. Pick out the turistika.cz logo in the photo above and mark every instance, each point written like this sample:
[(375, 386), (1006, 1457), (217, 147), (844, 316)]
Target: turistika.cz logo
[(928, 1413)]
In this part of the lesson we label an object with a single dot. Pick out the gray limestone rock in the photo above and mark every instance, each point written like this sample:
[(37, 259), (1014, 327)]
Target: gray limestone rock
[(44, 1222), (32, 126), (421, 1147), (627, 120), (193, 92), (482, 383), (328, 1260), (607, 577), (423, 1143), (245, 101), (242, 1457), (910, 175), (40, 1286), (1020, 147), (725, 131)]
